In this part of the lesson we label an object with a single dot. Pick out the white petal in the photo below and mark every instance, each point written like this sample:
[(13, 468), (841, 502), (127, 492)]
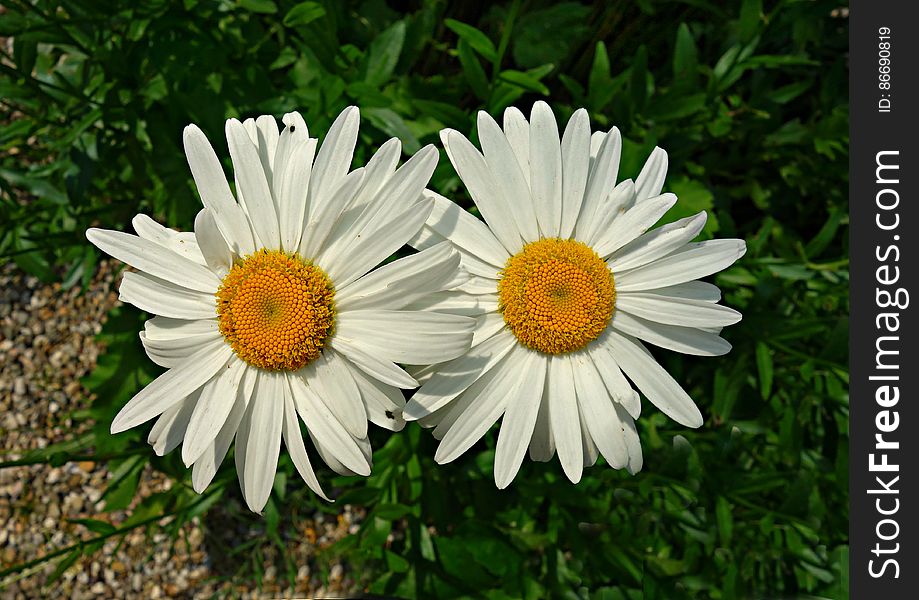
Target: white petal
[(598, 412), (293, 439), (651, 179), (383, 402), (174, 352), (482, 253), (600, 182), (326, 428), (291, 187), (563, 417), (676, 311), (378, 368), (519, 419), (330, 377), (254, 187), (491, 395), (616, 384), (679, 339), (402, 281), (632, 442), (472, 169), (655, 244), (334, 158), (691, 290), (457, 375), (588, 447), (457, 303), (152, 258), (172, 386), (176, 241), (486, 326), (373, 250), (267, 135), (545, 170), (406, 336), (321, 220), (513, 189), (263, 441), (163, 298), (653, 380), (164, 328), (575, 168), (633, 223), (695, 261), (542, 445), (169, 430), (517, 130), (212, 409), (215, 192), (213, 247), (206, 467)]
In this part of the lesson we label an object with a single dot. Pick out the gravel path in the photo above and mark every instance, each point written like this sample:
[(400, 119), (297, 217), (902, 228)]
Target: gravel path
[(46, 345)]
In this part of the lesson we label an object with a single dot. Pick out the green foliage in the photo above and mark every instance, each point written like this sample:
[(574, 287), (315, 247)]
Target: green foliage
[(750, 101)]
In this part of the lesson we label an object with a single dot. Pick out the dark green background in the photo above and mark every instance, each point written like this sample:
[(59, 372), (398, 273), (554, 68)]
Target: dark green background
[(749, 99)]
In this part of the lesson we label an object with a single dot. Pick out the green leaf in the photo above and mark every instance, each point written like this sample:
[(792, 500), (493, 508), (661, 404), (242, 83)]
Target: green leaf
[(599, 83), (548, 35), (303, 13), (524, 80), (638, 78), (259, 6), (685, 60), (396, 563), (472, 69), (476, 39), (751, 12), (764, 367), (383, 54), (725, 520), (94, 525), (389, 122), (65, 564)]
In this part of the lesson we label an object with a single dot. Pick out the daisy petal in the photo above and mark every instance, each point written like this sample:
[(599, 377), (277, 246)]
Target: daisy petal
[(152, 258), (169, 430), (677, 311), (691, 290), (174, 352), (655, 244), (182, 243), (489, 403), (382, 370), (632, 442), (254, 189), (172, 386), (472, 169), (651, 179), (406, 336), (575, 169), (519, 420), (598, 412), (512, 185), (263, 440), (215, 192), (213, 247), (687, 340), (206, 466), (163, 298), (291, 187), (542, 444), (330, 377), (694, 261), (211, 411), (616, 384), (653, 380), (326, 428), (293, 440), (165, 328), (454, 377), (633, 223), (517, 130), (563, 417), (600, 182), (334, 156), (545, 170)]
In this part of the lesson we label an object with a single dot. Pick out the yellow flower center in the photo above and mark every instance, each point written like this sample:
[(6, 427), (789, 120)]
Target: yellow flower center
[(556, 295), (275, 310)]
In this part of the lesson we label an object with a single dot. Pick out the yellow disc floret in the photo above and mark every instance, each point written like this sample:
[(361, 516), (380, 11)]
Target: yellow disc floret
[(276, 310), (556, 295)]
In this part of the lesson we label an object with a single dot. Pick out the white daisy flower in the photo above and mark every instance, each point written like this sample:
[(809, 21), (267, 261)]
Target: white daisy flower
[(268, 312), (567, 283)]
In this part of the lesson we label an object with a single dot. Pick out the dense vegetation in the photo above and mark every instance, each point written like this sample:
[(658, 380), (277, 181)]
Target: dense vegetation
[(750, 101)]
